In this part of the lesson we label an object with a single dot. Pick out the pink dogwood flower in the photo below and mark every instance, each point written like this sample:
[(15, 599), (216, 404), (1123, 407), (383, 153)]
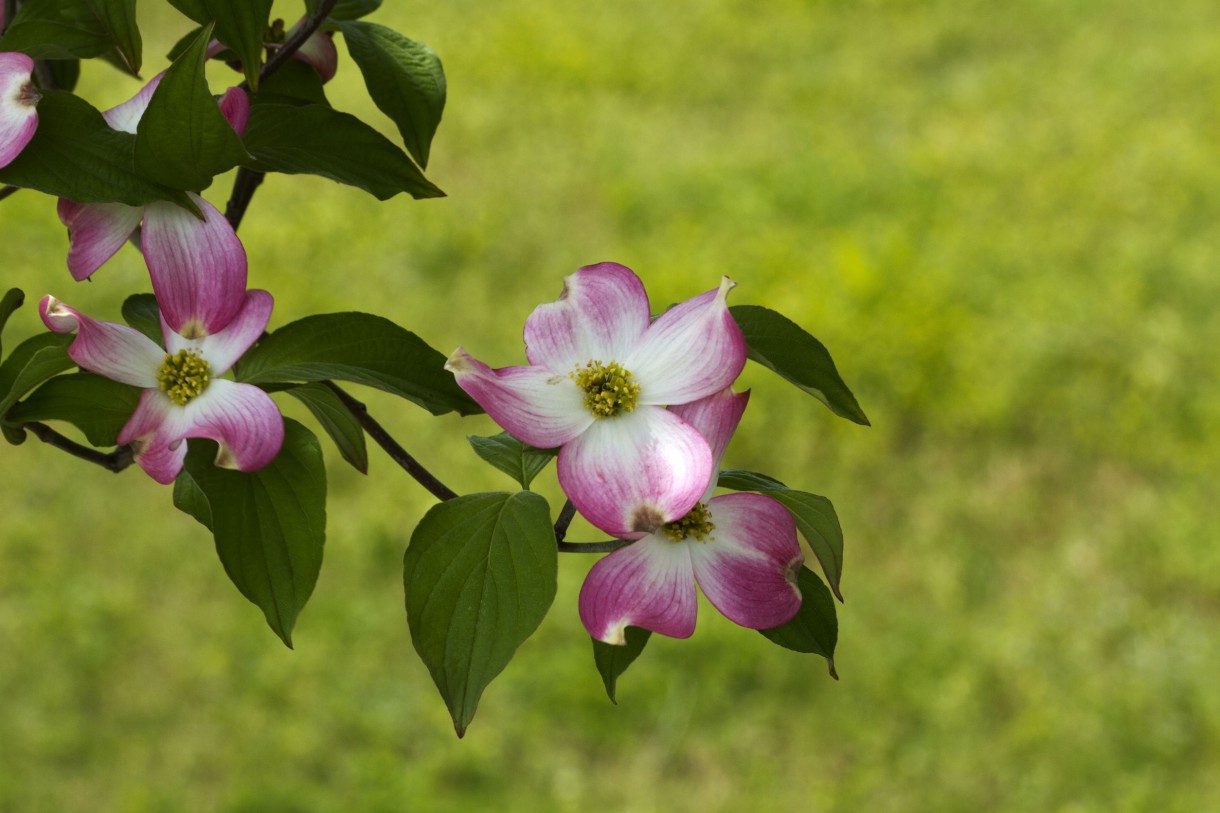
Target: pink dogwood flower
[(184, 395), (600, 375), (741, 549), (18, 105), (187, 257)]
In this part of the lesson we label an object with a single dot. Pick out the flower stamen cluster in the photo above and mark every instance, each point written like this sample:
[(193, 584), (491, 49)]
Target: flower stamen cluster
[(697, 524), (608, 388), (184, 376)]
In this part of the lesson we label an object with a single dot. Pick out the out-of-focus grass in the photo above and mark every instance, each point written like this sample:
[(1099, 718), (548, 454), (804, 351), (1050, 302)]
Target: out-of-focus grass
[(997, 216)]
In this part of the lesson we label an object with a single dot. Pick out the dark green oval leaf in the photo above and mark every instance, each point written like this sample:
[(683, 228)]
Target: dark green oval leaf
[(404, 79), (518, 460), (31, 363), (269, 525), (119, 19), (612, 660), (240, 24), (815, 628), (183, 139), (779, 344), (337, 420), (815, 517), (317, 140), (295, 83), (479, 576), (95, 405), (141, 312), (10, 302), (57, 29), (346, 9), (76, 155), (360, 348)]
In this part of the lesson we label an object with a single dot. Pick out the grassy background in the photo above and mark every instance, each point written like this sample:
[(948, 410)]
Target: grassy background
[(999, 218)]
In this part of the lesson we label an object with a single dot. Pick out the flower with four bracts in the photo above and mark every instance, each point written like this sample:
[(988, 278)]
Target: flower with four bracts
[(601, 374)]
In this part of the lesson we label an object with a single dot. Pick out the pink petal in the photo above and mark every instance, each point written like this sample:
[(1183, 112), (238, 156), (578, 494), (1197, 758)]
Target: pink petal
[(18, 114), (119, 352), (235, 105), (716, 417), (319, 53), (241, 418), (96, 231), (533, 404), (126, 117), (198, 267), (748, 567), (223, 348), (152, 431), (649, 584), (632, 473), (692, 350), (601, 315)]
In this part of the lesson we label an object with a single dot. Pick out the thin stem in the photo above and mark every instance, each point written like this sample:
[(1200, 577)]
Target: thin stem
[(8, 190), (398, 454), (244, 184), (114, 461), (566, 514), (311, 24), (593, 547)]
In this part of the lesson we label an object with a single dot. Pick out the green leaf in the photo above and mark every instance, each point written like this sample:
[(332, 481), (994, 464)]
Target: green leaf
[(58, 29), (317, 140), (404, 79), (815, 517), (183, 139), (612, 660), (76, 155), (95, 405), (346, 9), (269, 525), (815, 628), (240, 24), (141, 312), (65, 73), (119, 19), (337, 420), (10, 302), (518, 460), (31, 363), (479, 575), (779, 344), (295, 83), (190, 499), (360, 348)]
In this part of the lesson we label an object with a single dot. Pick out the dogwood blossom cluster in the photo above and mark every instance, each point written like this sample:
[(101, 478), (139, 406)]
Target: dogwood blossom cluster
[(642, 411)]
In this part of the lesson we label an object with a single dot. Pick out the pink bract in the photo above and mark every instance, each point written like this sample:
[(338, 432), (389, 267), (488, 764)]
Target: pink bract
[(18, 105)]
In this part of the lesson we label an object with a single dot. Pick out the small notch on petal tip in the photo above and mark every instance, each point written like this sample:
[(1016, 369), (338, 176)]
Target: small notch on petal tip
[(225, 458), (457, 363)]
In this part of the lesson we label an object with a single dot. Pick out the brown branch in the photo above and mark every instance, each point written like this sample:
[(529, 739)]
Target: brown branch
[(593, 547), (291, 45), (115, 461)]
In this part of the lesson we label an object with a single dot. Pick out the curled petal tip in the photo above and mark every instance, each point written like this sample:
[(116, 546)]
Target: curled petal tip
[(726, 285), (458, 361), (56, 315)]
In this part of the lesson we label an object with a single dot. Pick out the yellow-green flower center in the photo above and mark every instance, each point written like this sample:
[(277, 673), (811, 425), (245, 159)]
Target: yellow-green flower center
[(183, 376), (697, 523), (608, 388)]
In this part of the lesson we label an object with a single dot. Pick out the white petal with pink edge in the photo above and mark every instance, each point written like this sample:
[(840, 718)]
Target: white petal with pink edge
[(18, 114), (534, 405), (223, 348), (649, 584), (600, 316), (241, 418), (126, 117), (632, 473), (716, 417), (748, 567), (692, 350), (96, 231), (198, 267), (118, 352), (153, 431)]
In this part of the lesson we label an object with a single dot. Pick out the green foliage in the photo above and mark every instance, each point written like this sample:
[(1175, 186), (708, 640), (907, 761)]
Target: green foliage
[(815, 627), (360, 348), (269, 525), (240, 25), (9, 303), (318, 140), (612, 659), (518, 460), (31, 363), (779, 344), (479, 575), (347, 9), (141, 312), (76, 155), (97, 406), (337, 420), (183, 139), (405, 79), (71, 29)]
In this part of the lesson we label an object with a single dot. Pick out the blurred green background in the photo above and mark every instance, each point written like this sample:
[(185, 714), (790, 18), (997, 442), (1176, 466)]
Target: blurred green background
[(999, 217)]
